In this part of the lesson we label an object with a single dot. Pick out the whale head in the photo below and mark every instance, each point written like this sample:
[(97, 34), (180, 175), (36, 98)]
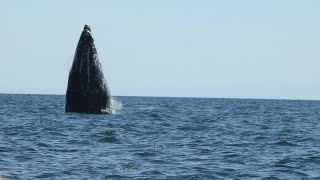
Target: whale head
[(86, 34), (87, 89)]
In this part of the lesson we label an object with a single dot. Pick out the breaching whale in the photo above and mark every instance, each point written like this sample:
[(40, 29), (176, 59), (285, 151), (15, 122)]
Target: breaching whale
[(87, 90)]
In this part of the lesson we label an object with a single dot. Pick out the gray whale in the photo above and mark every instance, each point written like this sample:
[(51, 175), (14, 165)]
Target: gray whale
[(87, 90)]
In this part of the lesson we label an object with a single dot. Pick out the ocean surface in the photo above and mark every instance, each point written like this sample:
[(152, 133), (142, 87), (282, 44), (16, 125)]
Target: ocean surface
[(160, 138)]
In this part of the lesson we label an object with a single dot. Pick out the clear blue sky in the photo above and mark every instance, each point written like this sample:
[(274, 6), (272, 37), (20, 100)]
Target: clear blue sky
[(205, 48)]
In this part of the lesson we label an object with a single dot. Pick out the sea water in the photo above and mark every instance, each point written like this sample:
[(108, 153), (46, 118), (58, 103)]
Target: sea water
[(160, 138)]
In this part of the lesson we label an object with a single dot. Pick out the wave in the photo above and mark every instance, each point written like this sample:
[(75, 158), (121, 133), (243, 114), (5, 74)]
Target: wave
[(115, 107)]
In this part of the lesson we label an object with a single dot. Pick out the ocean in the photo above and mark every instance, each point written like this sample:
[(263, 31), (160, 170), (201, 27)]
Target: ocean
[(160, 138)]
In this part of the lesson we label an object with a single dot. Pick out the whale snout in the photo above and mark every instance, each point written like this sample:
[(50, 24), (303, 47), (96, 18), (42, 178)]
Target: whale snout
[(87, 28), (87, 33)]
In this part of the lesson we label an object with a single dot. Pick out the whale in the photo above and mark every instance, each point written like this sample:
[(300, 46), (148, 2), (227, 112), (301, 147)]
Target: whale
[(87, 90)]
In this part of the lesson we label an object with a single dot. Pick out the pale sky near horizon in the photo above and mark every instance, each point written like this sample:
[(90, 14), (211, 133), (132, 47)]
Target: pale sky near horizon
[(205, 48)]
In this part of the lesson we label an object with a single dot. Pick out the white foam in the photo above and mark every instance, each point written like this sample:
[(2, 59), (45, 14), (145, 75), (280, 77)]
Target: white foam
[(115, 107)]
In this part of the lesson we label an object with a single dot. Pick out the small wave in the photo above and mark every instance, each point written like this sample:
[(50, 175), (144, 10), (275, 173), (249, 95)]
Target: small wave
[(149, 152), (130, 166), (152, 173), (283, 161), (155, 149), (115, 108), (154, 115), (109, 139), (285, 143), (145, 154), (231, 155), (150, 108)]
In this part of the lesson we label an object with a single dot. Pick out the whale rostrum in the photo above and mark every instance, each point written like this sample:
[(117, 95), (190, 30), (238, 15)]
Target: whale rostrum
[(87, 90)]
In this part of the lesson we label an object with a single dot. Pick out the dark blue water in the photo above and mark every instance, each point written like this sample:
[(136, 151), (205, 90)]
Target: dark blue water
[(160, 138)]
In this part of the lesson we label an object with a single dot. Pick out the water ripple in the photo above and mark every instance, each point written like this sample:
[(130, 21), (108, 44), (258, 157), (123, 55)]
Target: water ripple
[(160, 138)]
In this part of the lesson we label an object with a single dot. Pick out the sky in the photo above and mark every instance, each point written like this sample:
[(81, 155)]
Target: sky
[(182, 48)]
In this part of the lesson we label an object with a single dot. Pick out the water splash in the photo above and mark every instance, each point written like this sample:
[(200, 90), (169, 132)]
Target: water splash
[(115, 107)]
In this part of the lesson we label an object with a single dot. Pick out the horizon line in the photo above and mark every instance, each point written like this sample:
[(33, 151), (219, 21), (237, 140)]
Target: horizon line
[(157, 96)]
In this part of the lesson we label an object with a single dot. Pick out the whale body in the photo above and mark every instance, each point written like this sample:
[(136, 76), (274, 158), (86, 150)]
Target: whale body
[(87, 90)]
